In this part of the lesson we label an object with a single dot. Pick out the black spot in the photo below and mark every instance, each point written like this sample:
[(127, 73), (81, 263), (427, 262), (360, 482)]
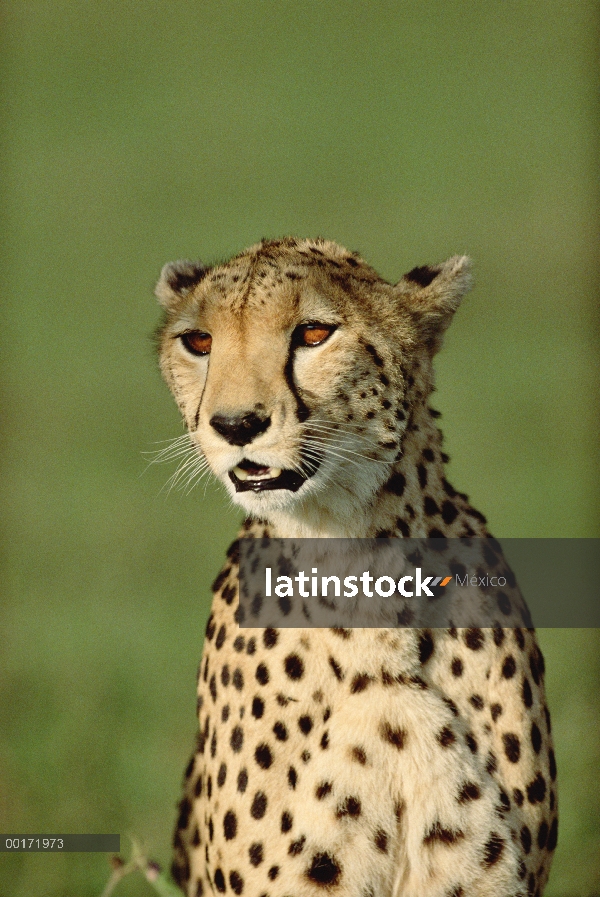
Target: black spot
[(476, 701), (238, 679), (292, 777), (209, 786), (360, 682), (381, 841), (449, 512), (496, 711), (526, 692), (305, 756), (294, 667), (552, 836), (230, 825), (242, 780), (435, 533), (213, 687), (220, 638), (350, 806), (509, 667), (190, 767), (422, 275), (519, 638), (428, 454), (210, 628), (446, 737), (469, 791), (336, 669), (251, 646), (534, 665), (518, 797), (437, 833), (403, 527), (542, 835), (474, 639), (239, 643), (504, 801), (504, 603), (324, 870), (492, 763), (270, 637), (262, 674), (323, 790), (255, 852), (225, 675), (296, 847), (536, 738), (281, 733), (263, 756), (236, 882), (526, 839), (305, 724), (185, 808), (422, 474), (471, 742), (431, 506), (324, 741), (394, 736), (286, 822), (457, 667), (498, 636), (273, 872), (259, 805), (198, 786), (258, 707), (237, 739), (359, 755), (222, 775), (373, 353), (536, 790), (426, 646), (228, 594), (493, 850)]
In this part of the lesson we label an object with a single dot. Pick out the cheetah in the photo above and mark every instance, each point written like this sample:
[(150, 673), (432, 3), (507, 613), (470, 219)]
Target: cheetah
[(353, 762)]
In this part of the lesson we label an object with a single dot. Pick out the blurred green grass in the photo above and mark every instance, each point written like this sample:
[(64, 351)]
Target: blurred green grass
[(133, 134)]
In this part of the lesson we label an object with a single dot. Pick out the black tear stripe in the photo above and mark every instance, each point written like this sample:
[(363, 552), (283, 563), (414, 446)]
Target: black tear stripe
[(302, 410)]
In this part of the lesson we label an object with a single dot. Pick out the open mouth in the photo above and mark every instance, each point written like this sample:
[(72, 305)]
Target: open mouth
[(251, 477)]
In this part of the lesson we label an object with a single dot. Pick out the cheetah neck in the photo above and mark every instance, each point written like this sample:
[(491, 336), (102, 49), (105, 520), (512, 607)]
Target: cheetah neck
[(414, 499)]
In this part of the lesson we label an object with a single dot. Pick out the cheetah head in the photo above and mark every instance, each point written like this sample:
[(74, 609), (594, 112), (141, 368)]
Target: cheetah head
[(296, 368)]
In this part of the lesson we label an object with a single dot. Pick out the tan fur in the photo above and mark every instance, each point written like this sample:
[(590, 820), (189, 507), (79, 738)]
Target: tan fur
[(399, 752)]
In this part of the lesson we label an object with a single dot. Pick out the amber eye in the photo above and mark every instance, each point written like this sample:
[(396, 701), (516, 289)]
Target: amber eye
[(196, 342), (312, 334)]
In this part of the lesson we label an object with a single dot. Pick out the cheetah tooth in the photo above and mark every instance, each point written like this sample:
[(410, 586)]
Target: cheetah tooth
[(271, 474)]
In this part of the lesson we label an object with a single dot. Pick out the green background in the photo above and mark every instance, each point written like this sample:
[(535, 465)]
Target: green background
[(138, 132)]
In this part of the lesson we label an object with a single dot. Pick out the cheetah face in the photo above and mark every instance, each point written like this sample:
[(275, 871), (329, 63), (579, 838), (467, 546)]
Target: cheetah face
[(292, 380)]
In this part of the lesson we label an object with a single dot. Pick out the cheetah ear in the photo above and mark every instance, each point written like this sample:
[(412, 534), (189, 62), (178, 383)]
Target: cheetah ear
[(176, 280), (432, 294)]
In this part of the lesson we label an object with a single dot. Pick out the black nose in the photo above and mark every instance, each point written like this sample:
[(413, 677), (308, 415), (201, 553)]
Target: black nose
[(239, 429)]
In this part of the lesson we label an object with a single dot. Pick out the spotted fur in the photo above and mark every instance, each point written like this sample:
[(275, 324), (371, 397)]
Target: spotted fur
[(349, 762)]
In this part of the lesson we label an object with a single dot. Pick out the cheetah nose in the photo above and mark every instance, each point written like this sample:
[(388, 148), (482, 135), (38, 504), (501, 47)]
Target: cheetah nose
[(240, 429)]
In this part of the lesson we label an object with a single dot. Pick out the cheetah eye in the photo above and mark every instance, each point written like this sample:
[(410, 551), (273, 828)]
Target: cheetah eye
[(197, 342), (312, 334)]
